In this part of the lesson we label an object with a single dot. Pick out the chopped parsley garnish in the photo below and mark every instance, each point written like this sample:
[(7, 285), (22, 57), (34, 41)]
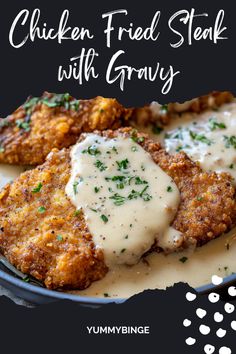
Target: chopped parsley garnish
[(75, 185), (120, 181), (180, 148), (21, 124), (230, 141), (94, 210), (123, 250), (26, 279), (104, 218), (199, 198), (200, 137), (118, 199), (134, 148), (138, 180), (213, 124), (146, 197), (2, 149), (106, 295), (169, 189), (77, 212), (135, 138), (123, 164), (183, 259), (41, 209), (38, 188), (92, 150), (135, 194), (127, 236), (59, 238), (96, 189), (100, 165), (56, 100), (164, 108), (30, 104)]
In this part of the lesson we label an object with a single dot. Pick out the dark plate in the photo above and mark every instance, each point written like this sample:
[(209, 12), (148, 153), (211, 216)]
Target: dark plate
[(40, 295)]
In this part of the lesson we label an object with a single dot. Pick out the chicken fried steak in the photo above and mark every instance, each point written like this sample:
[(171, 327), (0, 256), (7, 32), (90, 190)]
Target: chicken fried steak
[(54, 121), (43, 235)]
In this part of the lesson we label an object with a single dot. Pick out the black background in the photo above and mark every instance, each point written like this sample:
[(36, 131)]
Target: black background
[(32, 69)]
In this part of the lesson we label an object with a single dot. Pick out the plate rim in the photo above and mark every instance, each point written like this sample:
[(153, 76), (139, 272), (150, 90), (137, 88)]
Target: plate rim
[(89, 300)]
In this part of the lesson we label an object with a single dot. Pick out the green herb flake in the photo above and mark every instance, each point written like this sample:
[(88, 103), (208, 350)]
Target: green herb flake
[(164, 108), (213, 124), (41, 209), (23, 125), (106, 295), (96, 189), (75, 185), (183, 259), (2, 149), (26, 279), (104, 218), (134, 148), (199, 199), (100, 165), (123, 164), (59, 238), (230, 141), (38, 188), (123, 250), (138, 180), (77, 212), (200, 137), (118, 199), (231, 166), (92, 150), (169, 189)]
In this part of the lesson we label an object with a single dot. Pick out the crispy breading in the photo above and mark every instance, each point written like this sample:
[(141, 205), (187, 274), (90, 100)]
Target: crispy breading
[(41, 234), (162, 115), (54, 121)]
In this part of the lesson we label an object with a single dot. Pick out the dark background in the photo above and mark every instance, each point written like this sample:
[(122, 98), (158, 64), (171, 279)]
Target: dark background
[(32, 69)]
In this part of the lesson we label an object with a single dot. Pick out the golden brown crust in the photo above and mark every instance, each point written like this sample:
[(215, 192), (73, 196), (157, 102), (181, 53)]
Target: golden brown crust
[(146, 115), (54, 246), (29, 239), (28, 135)]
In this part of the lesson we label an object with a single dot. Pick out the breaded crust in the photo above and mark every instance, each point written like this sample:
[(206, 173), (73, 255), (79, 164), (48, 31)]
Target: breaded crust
[(54, 121), (41, 234), (162, 115)]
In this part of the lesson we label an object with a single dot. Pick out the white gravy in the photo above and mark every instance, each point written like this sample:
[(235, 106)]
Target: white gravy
[(163, 271), (128, 200), (208, 137)]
